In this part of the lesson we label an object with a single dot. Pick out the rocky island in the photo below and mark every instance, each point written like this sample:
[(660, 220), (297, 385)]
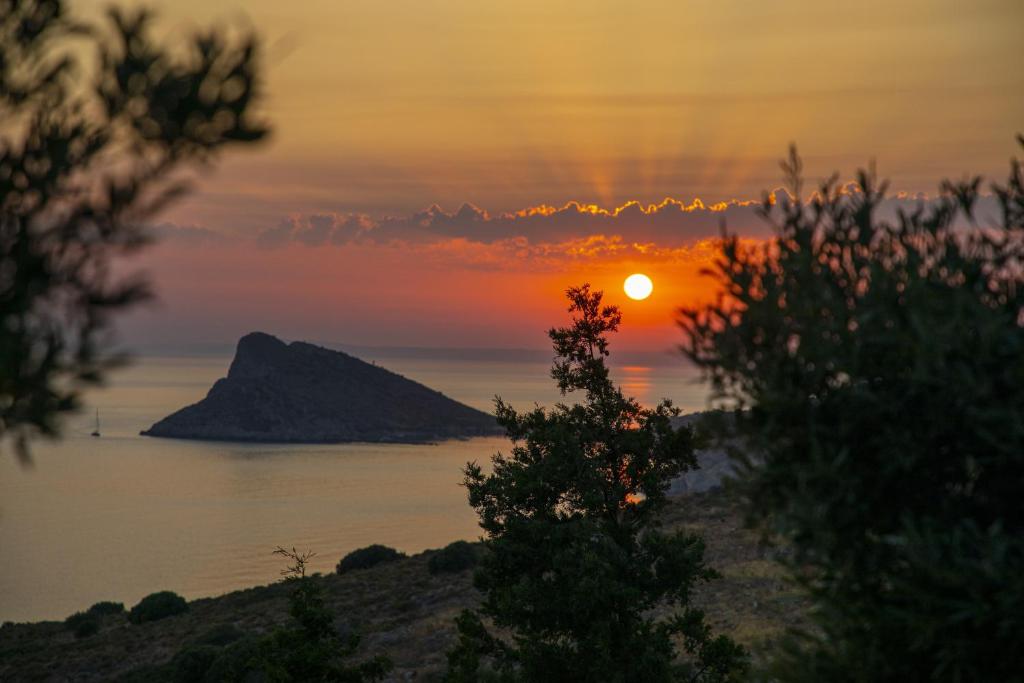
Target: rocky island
[(302, 393)]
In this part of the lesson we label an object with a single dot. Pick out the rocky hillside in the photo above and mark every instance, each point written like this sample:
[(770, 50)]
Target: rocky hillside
[(401, 609), (298, 392)]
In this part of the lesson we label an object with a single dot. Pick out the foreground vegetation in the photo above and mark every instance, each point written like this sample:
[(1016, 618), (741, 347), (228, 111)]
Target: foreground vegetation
[(580, 580), (101, 125), (877, 370), (401, 609)]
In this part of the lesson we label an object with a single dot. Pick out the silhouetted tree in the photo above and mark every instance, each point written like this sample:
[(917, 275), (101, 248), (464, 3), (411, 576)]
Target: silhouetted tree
[(877, 368), (308, 648), (89, 151), (574, 563)]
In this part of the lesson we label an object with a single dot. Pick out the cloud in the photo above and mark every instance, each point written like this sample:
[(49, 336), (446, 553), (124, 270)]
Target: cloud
[(669, 222), (571, 231), (317, 229)]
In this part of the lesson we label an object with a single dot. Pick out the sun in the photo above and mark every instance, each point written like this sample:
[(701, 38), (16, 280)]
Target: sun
[(638, 286)]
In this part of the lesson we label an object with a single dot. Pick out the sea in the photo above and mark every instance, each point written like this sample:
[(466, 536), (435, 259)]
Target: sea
[(120, 516)]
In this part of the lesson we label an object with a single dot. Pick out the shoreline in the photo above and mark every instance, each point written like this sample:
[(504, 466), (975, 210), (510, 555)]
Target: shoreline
[(400, 608)]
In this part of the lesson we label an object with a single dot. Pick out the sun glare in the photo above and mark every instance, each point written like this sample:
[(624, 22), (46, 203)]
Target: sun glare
[(638, 286)]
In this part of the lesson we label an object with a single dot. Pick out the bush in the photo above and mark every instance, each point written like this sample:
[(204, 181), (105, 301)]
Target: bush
[(454, 557), (86, 623), (101, 609), (220, 635), (234, 662), (308, 648), (193, 662), (367, 557), (218, 654), (157, 606), (880, 361), (82, 624)]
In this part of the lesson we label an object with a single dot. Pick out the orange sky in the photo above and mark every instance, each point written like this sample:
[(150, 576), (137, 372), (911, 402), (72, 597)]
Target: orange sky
[(395, 296), (381, 109)]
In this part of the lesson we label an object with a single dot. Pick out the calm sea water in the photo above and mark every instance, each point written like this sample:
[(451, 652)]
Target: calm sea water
[(121, 516)]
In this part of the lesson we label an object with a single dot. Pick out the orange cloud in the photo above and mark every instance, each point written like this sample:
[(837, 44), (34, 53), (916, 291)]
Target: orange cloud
[(672, 222), (544, 233)]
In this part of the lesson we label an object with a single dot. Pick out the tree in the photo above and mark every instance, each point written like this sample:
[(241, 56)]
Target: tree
[(89, 152), (877, 371), (307, 649), (574, 564), (311, 649)]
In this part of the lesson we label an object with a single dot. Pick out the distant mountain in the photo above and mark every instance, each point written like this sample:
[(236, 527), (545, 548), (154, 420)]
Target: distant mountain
[(301, 393)]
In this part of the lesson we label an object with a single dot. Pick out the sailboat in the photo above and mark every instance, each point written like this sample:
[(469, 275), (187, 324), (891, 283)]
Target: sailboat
[(96, 432)]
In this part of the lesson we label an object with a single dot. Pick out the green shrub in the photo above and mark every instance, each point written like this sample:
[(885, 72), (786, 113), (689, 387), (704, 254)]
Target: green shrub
[(454, 557), (157, 606), (218, 654), (192, 662), (236, 662), (86, 623), (367, 557), (880, 361), (220, 635), (82, 624), (308, 648), (106, 607)]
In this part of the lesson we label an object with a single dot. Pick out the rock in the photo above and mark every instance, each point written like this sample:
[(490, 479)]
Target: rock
[(301, 393)]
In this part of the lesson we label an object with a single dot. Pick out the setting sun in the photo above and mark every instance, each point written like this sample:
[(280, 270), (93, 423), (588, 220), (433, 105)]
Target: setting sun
[(638, 286), (394, 337)]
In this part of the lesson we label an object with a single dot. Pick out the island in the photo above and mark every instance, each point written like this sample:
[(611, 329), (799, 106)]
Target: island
[(302, 393)]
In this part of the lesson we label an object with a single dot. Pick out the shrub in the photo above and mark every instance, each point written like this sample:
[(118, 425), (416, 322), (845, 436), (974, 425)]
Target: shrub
[(880, 362), (86, 623), (219, 654), (157, 606), (454, 557), (106, 607), (308, 648), (367, 557), (82, 624), (220, 635), (236, 661), (193, 662)]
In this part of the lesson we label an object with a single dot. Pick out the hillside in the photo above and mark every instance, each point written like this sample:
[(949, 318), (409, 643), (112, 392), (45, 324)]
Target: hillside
[(298, 392), (402, 610)]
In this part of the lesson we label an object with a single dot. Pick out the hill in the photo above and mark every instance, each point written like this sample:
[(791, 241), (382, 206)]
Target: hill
[(301, 393), (401, 609)]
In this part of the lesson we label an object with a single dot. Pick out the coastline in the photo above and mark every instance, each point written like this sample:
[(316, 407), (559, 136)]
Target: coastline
[(400, 608)]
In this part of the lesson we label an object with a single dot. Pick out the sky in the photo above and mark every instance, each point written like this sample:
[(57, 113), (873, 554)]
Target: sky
[(441, 170)]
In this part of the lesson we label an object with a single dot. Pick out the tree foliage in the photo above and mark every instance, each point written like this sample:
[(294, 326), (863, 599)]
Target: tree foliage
[(96, 124), (159, 605), (370, 556), (877, 369), (309, 648), (454, 557), (576, 571)]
